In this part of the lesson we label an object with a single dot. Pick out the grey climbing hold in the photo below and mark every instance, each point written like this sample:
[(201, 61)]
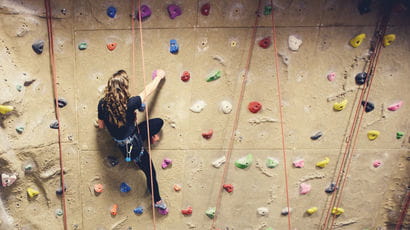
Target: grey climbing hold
[(20, 129), (286, 211), (62, 102), (54, 125), (316, 135), (332, 187), (38, 47), (19, 88), (59, 212), (368, 106)]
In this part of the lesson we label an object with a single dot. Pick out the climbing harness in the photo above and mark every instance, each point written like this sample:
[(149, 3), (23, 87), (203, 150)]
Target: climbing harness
[(128, 143)]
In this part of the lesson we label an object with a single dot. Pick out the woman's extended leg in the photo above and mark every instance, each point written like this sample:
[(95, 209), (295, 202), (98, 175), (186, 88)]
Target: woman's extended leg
[(155, 126), (144, 166)]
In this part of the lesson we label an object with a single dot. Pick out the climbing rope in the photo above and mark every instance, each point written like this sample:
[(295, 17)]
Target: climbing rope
[(145, 96), (57, 109), (237, 111), (281, 116), (357, 120), (404, 209)]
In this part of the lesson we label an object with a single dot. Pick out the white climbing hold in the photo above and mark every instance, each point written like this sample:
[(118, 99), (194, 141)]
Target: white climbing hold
[(294, 43), (218, 162), (7, 180), (226, 107), (285, 211), (198, 106), (263, 211)]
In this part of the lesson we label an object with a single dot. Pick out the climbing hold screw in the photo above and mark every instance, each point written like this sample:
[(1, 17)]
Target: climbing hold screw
[(357, 40), (166, 163), (206, 9), (173, 46), (322, 164), (82, 46), (6, 108), (174, 11), (399, 135), (211, 212), (244, 162), (111, 12), (395, 106), (139, 210), (214, 76), (368, 106), (124, 187), (228, 187), (185, 76), (38, 47), (254, 106), (208, 135), (373, 134), (339, 106), (32, 192), (265, 42), (311, 210), (98, 188), (187, 211), (388, 39), (271, 162), (114, 209)]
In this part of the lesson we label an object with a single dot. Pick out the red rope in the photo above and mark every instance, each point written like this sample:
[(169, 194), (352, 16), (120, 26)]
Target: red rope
[(57, 109), (281, 117), (237, 112), (146, 108)]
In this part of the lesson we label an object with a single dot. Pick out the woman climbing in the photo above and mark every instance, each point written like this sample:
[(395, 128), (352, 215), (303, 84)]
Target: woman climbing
[(117, 112)]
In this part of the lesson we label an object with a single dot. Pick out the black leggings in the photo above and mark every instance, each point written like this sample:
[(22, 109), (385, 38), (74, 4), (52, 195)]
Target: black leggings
[(155, 126)]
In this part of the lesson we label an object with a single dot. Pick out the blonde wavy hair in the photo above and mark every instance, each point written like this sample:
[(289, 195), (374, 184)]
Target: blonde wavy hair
[(115, 98)]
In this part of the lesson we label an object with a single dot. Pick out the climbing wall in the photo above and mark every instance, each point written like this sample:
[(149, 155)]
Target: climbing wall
[(317, 70)]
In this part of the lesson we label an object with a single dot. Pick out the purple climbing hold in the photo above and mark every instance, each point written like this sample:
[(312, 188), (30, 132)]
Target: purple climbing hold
[(145, 12), (174, 11), (111, 11), (361, 78), (124, 187), (368, 106), (38, 47)]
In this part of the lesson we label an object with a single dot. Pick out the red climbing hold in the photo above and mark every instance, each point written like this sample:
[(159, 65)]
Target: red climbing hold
[(111, 46), (228, 187), (208, 134), (205, 9), (254, 106), (265, 43), (187, 211), (185, 76)]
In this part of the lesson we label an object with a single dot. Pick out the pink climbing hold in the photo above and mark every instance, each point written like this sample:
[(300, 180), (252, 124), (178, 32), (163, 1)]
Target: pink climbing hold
[(304, 188), (299, 163), (395, 106), (331, 76), (166, 162), (377, 163)]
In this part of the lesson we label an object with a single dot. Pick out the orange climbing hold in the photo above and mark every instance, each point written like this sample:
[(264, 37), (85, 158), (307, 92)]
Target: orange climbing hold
[(114, 210), (111, 46), (187, 211), (177, 187), (228, 187)]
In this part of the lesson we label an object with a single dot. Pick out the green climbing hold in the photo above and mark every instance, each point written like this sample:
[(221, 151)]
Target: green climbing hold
[(244, 162), (19, 87), (214, 76), (399, 135), (269, 228), (20, 129), (267, 10), (59, 212), (271, 162), (211, 212), (82, 46)]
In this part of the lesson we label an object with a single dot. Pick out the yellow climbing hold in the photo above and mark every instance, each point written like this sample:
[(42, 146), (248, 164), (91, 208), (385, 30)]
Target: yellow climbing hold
[(32, 192), (357, 41), (339, 106), (388, 39), (6, 108), (337, 211), (373, 134), (311, 210), (323, 163)]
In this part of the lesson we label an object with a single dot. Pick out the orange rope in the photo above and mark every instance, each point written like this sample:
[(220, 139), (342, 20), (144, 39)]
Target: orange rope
[(353, 135), (281, 116), (57, 109), (146, 111), (404, 209), (237, 112)]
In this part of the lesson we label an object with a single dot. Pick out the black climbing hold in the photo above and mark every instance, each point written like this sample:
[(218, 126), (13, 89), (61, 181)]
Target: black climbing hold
[(59, 191), (316, 136), (62, 102), (364, 6), (28, 83), (361, 78), (54, 125), (38, 47), (368, 106), (331, 188)]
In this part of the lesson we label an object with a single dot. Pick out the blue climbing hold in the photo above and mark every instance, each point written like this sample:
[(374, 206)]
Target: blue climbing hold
[(125, 187), (111, 11), (139, 210), (173, 46)]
